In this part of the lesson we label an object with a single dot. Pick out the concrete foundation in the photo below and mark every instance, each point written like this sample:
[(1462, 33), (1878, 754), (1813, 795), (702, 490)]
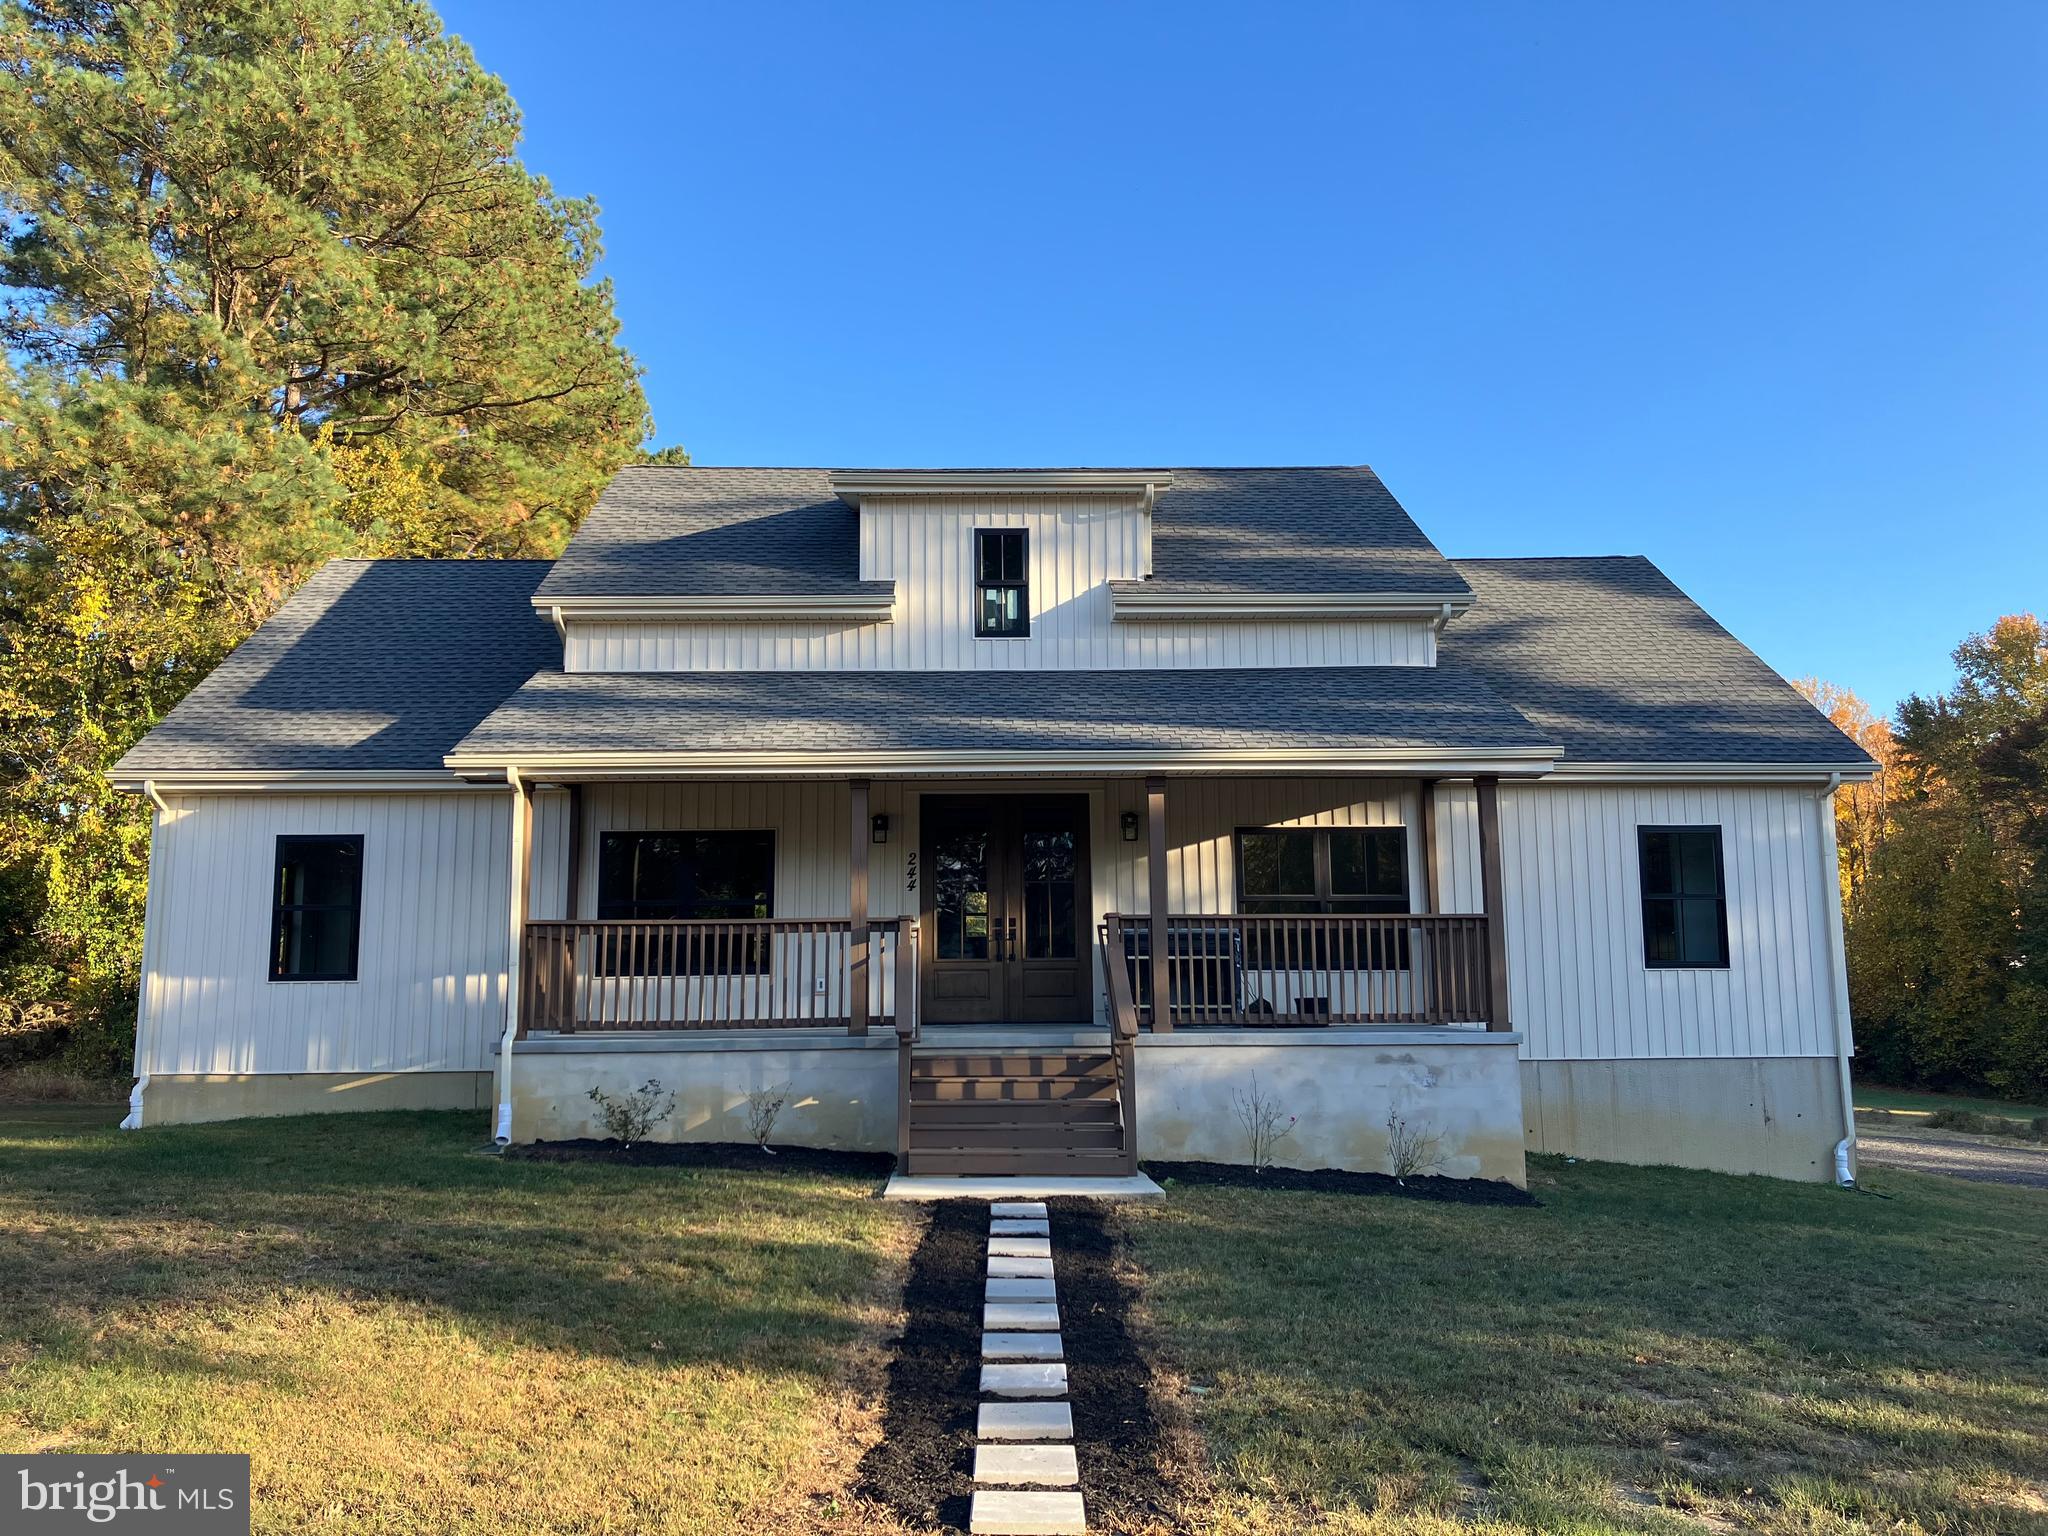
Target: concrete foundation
[(1340, 1086), (189, 1099), (842, 1088), (1774, 1115)]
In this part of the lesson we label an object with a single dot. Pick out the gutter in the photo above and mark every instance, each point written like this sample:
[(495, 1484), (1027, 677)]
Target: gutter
[(1845, 1149)]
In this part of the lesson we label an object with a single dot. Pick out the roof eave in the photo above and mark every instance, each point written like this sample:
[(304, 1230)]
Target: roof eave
[(854, 486), (1722, 772), (1503, 762), (721, 608), (1131, 603)]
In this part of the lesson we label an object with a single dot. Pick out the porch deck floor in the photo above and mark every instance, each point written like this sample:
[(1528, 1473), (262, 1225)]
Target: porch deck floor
[(1021, 1187)]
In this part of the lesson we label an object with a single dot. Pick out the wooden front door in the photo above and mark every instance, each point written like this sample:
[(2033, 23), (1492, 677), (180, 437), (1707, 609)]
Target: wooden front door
[(1005, 909)]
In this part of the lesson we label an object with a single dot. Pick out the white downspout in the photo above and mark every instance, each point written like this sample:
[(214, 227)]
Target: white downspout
[(1845, 1149), (502, 1131), (132, 1121)]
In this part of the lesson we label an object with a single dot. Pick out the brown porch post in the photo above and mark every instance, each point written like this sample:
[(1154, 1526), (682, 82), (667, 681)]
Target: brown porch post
[(1497, 1013), (1425, 794), (857, 910), (1155, 870), (572, 895)]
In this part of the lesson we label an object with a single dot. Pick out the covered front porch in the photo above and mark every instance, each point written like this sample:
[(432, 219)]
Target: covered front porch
[(965, 968)]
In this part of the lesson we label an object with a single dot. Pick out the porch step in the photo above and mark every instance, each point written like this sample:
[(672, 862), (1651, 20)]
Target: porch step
[(1034, 1135), (1037, 1064), (933, 1089), (1039, 1163), (1017, 1113)]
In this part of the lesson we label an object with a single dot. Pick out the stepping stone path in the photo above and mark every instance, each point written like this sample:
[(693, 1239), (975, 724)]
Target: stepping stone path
[(1024, 1458)]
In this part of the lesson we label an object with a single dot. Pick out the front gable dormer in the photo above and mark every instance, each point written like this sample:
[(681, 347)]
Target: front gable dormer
[(688, 568)]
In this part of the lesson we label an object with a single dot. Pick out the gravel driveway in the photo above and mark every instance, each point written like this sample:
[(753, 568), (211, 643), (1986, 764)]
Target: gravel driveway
[(1960, 1157)]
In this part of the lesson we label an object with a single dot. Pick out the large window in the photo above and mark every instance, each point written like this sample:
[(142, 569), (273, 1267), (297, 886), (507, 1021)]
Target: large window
[(316, 898), (660, 876), (1002, 590), (1322, 869), (1317, 870), (1685, 897)]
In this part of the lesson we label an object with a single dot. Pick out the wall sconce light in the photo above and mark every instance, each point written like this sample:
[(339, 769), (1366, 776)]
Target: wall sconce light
[(1130, 826), (879, 829)]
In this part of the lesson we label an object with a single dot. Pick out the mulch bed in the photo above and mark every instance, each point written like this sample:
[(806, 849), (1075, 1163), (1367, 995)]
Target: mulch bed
[(922, 1469), (707, 1154), (1336, 1181)]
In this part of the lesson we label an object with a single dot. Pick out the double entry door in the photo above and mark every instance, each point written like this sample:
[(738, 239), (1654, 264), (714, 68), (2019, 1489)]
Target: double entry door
[(1004, 917)]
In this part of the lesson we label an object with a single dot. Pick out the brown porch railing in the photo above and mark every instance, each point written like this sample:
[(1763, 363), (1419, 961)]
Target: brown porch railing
[(1309, 968), (1123, 1039), (754, 973)]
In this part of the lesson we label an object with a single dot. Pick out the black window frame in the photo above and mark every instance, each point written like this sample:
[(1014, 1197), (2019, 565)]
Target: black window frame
[(1679, 897), (1326, 900), (1020, 583), (619, 956), (281, 911)]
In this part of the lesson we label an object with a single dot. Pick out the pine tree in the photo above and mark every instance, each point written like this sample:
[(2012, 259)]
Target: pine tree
[(273, 286)]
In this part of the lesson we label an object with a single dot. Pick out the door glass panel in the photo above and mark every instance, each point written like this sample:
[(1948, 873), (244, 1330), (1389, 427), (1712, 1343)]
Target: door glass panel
[(1049, 878), (960, 893)]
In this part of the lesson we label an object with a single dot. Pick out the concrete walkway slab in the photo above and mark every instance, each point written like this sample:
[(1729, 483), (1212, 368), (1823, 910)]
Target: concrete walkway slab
[(1033, 1380), (1020, 1317), (1020, 1247), (1026, 1514), (1036, 1288), (1004, 1267), (945, 1187), (1003, 1226), (1030, 1209), (1025, 1421), (1023, 1346), (1053, 1465)]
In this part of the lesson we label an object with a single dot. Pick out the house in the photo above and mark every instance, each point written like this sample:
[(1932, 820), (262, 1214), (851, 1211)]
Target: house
[(1017, 820)]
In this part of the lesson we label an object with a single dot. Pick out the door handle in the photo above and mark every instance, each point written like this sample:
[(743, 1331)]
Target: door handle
[(1010, 938)]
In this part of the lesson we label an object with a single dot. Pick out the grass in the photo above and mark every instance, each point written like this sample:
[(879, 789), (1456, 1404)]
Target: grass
[(1869, 1096), (1652, 1350), (408, 1334)]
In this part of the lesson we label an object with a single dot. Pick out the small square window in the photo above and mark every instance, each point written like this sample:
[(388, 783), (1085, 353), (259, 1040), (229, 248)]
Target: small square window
[(1685, 898), (1002, 587), (316, 897)]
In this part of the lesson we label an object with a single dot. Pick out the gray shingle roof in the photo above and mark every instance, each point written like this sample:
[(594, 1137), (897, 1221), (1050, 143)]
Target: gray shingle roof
[(1309, 708), (675, 531), (1610, 658), (372, 665), (662, 531), (1334, 529)]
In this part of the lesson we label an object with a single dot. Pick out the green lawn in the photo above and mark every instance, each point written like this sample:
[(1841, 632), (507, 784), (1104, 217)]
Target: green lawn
[(1868, 1096), (1652, 1350), (411, 1335)]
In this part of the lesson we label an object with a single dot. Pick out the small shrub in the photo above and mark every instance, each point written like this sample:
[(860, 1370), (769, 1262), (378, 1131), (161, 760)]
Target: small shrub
[(1265, 1124), (763, 1105), (1413, 1151), (630, 1118)]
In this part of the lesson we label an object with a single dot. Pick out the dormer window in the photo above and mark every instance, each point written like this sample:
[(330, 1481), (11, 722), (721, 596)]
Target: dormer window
[(1002, 591)]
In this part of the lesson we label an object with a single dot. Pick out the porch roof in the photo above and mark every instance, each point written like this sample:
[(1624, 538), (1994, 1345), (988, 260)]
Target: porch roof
[(1277, 719)]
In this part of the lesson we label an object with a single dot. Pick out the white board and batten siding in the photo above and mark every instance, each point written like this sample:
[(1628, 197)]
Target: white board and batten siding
[(431, 959), (1580, 989), (926, 546), (435, 911)]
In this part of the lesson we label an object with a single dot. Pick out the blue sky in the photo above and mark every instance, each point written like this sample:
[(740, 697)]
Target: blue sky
[(1755, 290)]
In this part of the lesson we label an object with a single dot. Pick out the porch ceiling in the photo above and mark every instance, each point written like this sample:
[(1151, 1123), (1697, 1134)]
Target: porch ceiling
[(1394, 719)]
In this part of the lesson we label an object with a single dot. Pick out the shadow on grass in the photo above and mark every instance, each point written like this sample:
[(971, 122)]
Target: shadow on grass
[(654, 1266), (1646, 1336)]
